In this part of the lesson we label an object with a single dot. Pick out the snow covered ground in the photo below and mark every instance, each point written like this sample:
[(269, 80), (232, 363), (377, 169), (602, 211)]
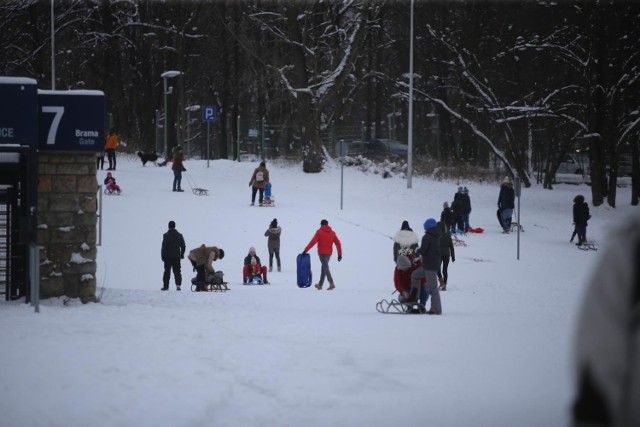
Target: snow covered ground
[(277, 355)]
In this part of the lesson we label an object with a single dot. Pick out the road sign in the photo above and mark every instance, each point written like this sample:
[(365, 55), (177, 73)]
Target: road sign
[(209, 113), (18, 111)]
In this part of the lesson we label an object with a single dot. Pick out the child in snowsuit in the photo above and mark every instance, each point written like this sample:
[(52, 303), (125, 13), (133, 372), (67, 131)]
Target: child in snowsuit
[(273, 243), (405, 266), (252, 267), (580, 217), (110, 182)]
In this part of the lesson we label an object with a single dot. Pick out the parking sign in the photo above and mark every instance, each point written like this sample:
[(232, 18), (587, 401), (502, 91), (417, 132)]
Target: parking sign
[(209, 113)]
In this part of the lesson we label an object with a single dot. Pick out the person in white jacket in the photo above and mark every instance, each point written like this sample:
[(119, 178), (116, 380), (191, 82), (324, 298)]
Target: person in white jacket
[(607, 348)]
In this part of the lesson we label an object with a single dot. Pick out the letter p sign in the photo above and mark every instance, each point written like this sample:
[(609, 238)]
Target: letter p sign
[(209, 113)]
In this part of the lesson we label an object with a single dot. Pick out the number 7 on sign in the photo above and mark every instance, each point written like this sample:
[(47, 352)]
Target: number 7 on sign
[(53, 130)]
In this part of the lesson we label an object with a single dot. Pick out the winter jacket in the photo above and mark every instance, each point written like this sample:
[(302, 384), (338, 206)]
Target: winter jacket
[(260, 177), (273, 234), (173, 246), (178, 158), (580, 213), (404, 239), (446, 244), (247, 259), (205, 255), (457, 206), (466, 203), (429, 249), (607, 350), (325, 237), (112, 142), (447, 217), (506, 199)]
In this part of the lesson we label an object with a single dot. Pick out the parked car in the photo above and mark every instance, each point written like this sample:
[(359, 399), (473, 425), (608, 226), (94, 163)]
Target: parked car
[(374, 149)]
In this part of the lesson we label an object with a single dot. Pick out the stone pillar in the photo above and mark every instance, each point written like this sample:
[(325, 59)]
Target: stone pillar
[(67, 219)]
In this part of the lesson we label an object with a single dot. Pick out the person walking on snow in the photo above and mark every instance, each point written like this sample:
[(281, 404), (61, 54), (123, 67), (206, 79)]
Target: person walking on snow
[(172, 252), (405, 240), (258, 181), (273, 243), (446, 253), (429, 250), (325, 237), (466, 209)]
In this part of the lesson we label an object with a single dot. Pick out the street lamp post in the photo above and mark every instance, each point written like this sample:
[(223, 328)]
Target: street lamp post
[(189, 109), (166, 75)]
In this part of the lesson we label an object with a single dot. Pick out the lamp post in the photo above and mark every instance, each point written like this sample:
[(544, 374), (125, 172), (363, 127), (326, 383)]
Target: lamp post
[(410, 124), (189, 109), (166, 75)]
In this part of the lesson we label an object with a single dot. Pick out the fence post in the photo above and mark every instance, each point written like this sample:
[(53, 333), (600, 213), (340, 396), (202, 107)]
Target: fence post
[(238, 136), (262, 126)]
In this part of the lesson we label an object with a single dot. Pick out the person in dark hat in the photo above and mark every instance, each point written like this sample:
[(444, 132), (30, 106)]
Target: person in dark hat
[(405, 241), (273, 243), (172, 252), (325, 237)]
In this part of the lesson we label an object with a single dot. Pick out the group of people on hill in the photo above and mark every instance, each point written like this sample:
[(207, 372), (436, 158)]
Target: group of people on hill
[(202, 258), (421, 270)]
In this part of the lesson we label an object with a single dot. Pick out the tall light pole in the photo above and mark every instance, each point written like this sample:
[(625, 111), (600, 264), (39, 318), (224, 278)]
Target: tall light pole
[(410, 144), (53, 49), (166, 75), (189, 109)]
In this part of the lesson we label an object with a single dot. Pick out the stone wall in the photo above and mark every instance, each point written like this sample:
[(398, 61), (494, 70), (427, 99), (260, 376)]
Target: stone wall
[(67, 219)]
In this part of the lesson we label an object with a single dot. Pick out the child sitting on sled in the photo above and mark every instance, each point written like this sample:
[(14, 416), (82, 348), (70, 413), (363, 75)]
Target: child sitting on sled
[(405, 266), (111, 185), (253, 268)]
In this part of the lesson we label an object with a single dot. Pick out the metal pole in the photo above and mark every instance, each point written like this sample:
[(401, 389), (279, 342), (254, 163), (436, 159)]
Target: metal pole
[(53, 50), (342, 144), (208, 149), (262, 125), (186, 148), (410, 136), (157, 125), (166, 116), (519, 223), (238, 136), (34, 265), (99, 243)]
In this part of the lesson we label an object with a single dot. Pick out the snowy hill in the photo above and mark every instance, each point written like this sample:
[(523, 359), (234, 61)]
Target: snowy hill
[(279, 355)]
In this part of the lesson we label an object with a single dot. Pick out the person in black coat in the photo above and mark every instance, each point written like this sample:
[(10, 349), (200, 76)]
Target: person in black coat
[(580, 217), (429, 251), (172, 252), (506, 204), (446, 217), (457, 207)]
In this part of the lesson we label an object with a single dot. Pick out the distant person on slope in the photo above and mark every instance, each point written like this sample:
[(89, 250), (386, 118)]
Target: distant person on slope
[(506, 204)]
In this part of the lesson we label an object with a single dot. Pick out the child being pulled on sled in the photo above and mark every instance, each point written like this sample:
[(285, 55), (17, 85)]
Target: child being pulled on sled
[(110, 183), (405, 266)]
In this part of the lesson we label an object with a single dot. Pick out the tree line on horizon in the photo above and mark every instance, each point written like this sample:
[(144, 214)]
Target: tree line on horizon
[(514, 86)]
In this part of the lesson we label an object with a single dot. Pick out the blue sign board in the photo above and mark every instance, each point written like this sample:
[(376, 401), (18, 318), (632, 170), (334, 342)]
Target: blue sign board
[(18, 111), (209, 113), (71, 120)]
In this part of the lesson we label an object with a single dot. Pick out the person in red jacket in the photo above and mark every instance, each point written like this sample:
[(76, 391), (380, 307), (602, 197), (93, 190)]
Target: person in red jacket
[(405, 266), (325, 237)]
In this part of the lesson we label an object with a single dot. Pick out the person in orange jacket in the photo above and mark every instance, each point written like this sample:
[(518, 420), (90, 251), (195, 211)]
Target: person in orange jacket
[(325, 237), (110, 148)]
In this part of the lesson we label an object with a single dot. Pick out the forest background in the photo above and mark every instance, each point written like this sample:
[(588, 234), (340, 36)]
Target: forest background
[(501, 86)]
